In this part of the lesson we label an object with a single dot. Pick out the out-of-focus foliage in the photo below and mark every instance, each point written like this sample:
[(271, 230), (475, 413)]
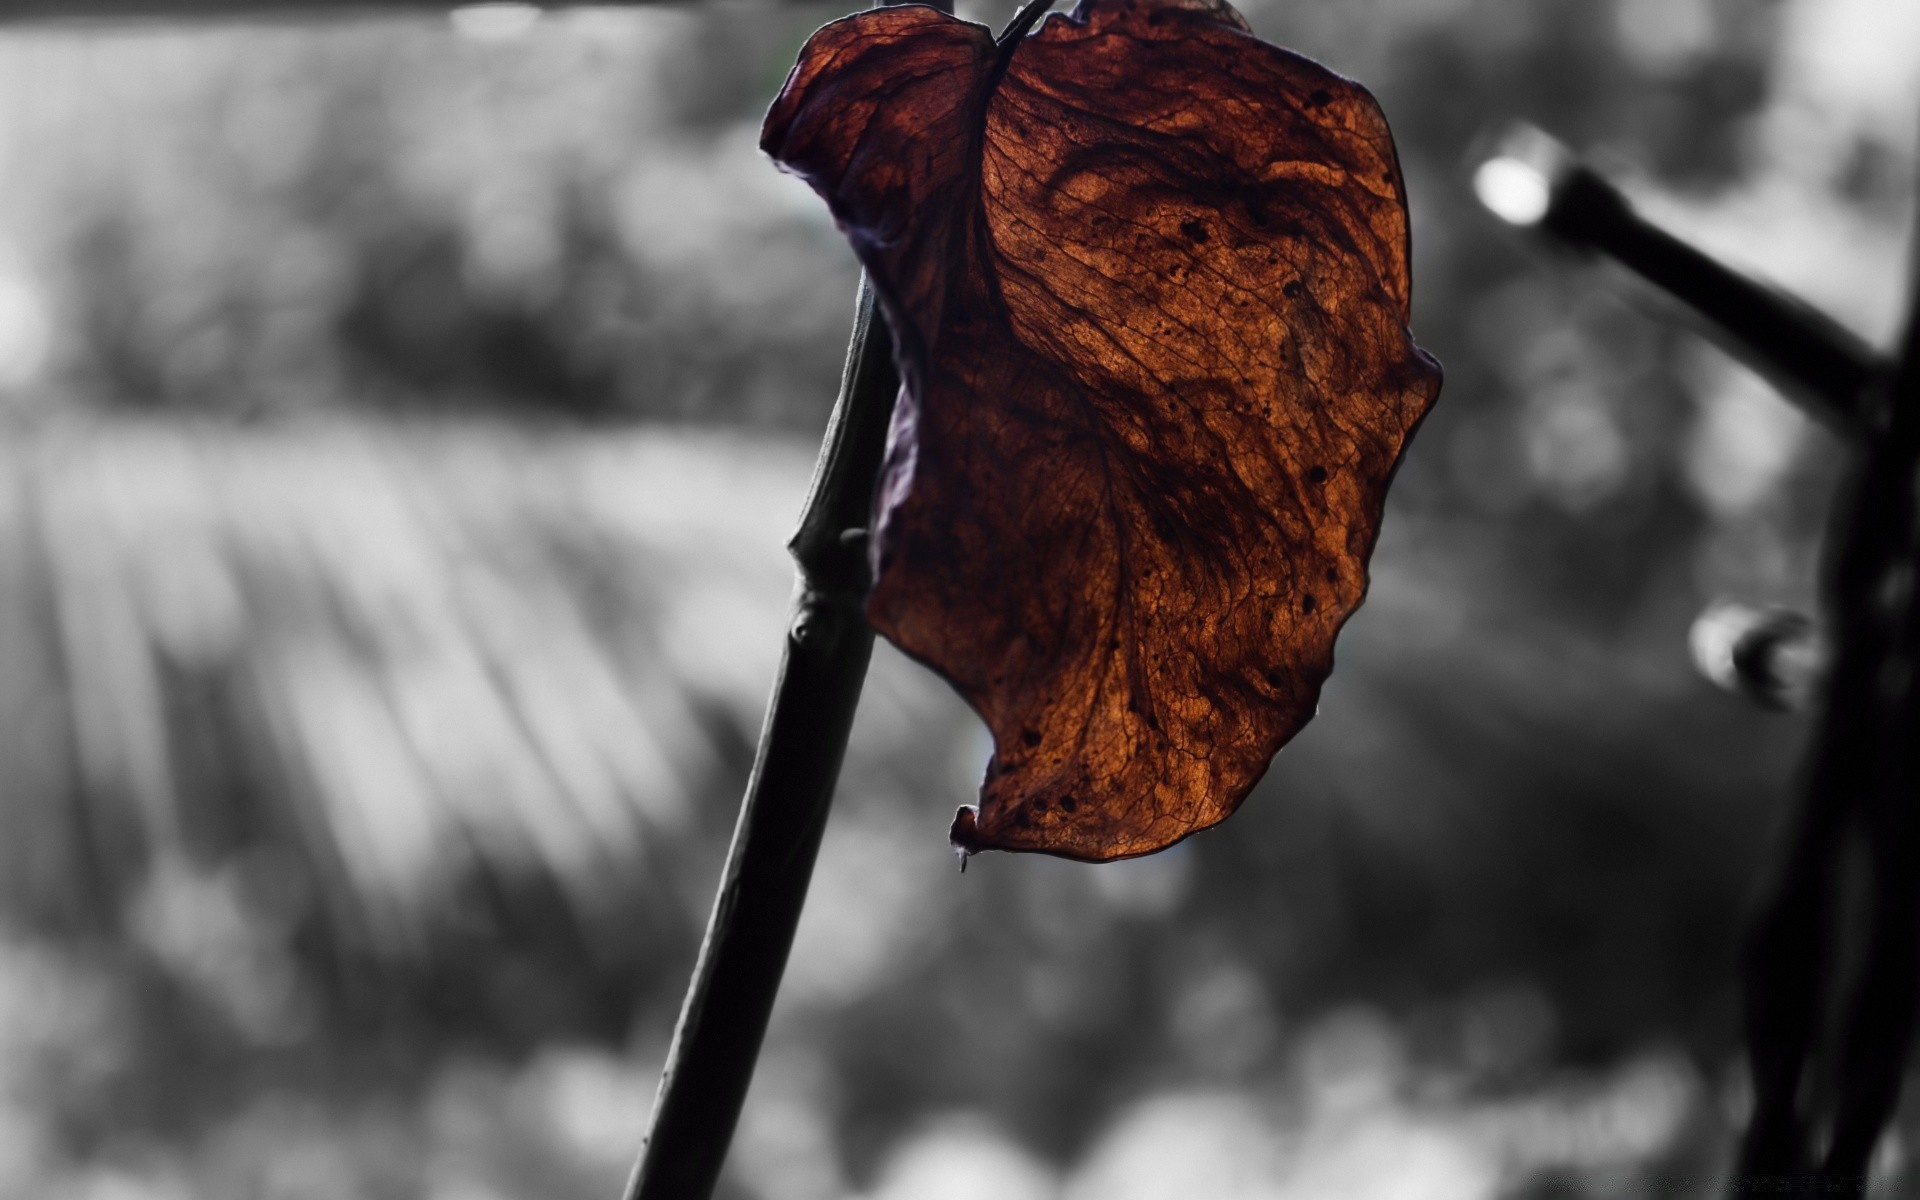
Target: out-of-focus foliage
[(379, 214), (368, 772)]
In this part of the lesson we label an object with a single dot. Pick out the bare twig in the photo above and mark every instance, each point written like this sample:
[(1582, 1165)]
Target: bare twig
[(1533, 180)]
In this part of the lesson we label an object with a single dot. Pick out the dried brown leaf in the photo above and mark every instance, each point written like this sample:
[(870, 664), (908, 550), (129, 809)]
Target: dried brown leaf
[(1148, 281)]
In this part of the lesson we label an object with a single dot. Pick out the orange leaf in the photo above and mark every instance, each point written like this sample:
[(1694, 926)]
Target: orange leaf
[(1147, 277)]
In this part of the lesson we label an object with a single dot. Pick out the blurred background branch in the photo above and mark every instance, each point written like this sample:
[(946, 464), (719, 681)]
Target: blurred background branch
[(1825, 1085), (1533, 181)]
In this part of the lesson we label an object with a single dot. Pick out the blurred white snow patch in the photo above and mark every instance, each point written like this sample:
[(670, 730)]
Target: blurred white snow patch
[(785, 1148), (963, 1157), (1858, 56), (1888, 1164), (1350, 1061), (1606, 1126), (113, 1183), (494, 22), (1364, 1122), (1225, 1146), (1202, 1146), (873, 911), (590, 1103), (1391, 1155), (1844, 91), (1744, 440)]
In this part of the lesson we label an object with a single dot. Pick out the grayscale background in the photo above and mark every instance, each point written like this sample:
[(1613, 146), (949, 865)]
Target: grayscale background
[(403, 418)]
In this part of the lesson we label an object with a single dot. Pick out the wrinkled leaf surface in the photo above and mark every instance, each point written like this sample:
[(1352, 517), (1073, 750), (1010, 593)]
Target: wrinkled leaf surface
[(1148, 281)]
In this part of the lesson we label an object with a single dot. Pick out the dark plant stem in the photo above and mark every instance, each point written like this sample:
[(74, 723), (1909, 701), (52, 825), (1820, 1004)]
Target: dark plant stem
[(1879, 1024), (1827, 1032), (1861, 779), (1816, 360), (764, 884)]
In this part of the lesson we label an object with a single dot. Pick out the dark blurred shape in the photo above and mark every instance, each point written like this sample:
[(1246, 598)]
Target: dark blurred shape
[(1773, 656), (1532, 180)]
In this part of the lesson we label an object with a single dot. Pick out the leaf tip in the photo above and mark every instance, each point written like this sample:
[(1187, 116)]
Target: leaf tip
[(965, 834)]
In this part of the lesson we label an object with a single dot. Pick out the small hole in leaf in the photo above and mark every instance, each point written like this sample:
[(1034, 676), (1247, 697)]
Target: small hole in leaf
[(1333, 576), (1293, 290), (1031, 737), (1069, 805), (1194, 230), (1319, 97), (1309, 602), (1316, 475)]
